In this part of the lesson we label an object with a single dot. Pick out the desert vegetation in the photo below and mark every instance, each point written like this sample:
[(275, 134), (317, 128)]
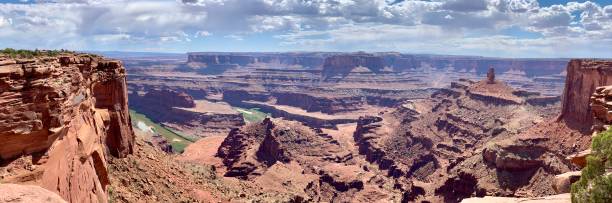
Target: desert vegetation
[(595, 183), (22, 53)]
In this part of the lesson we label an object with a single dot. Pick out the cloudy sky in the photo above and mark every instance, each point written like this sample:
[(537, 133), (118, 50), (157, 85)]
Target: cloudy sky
[(507, 28)]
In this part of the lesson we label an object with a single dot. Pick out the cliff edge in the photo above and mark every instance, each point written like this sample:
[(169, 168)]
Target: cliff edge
[(583, 76), (60, 117)]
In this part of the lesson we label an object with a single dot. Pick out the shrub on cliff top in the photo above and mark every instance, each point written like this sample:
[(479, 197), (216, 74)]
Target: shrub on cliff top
[(594, 184), (22, 53)]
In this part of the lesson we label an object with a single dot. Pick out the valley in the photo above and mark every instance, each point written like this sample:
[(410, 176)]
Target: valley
[(305, 101), (392, 127), (351, 128)]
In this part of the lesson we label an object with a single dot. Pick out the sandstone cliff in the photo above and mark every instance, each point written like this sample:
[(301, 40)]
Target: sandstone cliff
[(180, 112), (60, 117), (342, 65), (583, 76)]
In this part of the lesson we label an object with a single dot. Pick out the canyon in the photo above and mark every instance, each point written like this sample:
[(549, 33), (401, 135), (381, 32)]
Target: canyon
[(297, 127), (323, 89)]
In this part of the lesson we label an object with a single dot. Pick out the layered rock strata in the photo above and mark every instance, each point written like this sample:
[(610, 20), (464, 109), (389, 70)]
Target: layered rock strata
[(178, 110), (450, 143), (583, 76), (60, 119), (311, 164)]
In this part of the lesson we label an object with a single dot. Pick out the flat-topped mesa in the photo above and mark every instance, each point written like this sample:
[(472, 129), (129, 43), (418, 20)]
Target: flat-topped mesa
[(171, 98), (346, 63), (310, 60), (61, 116), (493, 91), (583, 77), (180, 112)]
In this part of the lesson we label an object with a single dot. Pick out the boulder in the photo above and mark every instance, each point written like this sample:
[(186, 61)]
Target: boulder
[(513, 155), (563, 182), (579, 159), (27, 194)]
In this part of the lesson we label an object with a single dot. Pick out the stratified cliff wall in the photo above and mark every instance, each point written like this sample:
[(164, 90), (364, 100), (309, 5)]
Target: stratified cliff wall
[(60, 117), (344, 64), (399, 62), (310, 60), (583, 76)]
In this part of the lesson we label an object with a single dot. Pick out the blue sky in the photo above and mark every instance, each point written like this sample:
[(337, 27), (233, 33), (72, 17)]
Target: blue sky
[(504, 28)]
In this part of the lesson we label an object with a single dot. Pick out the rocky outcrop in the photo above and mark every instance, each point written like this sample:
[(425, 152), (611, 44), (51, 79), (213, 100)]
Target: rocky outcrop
[(491, 76), (342, 65), (178, 110), (12, 193), (493, 92), (166, 97), (310, 120), (254, 148), (310, 160), (601, 104), (516, 155), (583, 76), (579, 159), (312, 103), (60, 118), (563, 182)]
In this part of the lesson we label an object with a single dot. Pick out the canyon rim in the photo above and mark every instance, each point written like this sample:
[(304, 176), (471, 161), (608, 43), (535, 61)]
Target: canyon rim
[(305, 101)]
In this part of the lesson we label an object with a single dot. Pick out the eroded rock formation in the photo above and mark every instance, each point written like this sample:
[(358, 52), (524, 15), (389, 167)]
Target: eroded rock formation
[(491, 76), (60, 118), (313, 165), (583, 76), (178, 110), (342, 65), (449, 143), (12, 193)]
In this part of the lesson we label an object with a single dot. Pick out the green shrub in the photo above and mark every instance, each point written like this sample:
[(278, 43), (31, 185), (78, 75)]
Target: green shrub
[(594, 185), (22, 53)]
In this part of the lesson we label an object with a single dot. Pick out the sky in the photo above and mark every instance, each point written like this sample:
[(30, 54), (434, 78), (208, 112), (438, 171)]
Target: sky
[(498, 28)]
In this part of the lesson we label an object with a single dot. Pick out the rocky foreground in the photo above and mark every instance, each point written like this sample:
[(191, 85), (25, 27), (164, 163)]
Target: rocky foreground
[(61, 118)]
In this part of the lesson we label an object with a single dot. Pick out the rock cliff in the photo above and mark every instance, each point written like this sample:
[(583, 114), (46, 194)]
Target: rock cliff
[(307, 162), (179, 111), (342, 65), (583, 76), (307, 60), (448, 145), (60, 119)]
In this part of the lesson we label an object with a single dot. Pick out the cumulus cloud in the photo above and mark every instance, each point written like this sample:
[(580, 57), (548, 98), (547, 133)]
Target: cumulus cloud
[(203, 34), (475, 26)]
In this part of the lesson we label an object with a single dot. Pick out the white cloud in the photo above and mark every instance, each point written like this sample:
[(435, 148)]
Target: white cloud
[(4, 22), (203, 34), (345, 25), (235, 37)]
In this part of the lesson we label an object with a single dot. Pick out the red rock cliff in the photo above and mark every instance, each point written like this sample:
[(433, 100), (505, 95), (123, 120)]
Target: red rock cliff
[(583, 76), (344, 64), (60, 117)]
